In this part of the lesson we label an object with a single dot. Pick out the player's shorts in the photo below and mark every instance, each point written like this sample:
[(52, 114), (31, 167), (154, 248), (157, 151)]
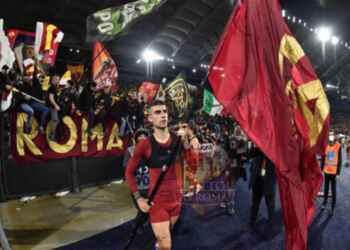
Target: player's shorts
[(164, 211)]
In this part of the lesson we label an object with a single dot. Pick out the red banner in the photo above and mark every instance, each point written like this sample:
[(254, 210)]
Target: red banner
[(74, 140)]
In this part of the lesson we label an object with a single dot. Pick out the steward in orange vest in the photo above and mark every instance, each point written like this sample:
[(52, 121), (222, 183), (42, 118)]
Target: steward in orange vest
[(331, 165), (332, 161)]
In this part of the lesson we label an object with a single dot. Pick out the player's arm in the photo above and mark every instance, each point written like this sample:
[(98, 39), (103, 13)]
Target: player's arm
[(133, 163)]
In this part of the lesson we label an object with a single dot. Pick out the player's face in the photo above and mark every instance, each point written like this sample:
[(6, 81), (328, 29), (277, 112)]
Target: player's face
[(159, 116)]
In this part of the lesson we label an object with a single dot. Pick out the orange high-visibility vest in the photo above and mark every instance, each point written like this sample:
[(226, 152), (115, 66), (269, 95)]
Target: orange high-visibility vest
[(331, 161)]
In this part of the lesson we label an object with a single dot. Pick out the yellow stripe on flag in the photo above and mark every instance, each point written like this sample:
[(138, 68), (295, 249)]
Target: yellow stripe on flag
[(49, 36)]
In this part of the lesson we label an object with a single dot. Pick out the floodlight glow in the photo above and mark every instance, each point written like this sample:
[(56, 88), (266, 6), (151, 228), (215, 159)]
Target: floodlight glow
[(335, 40), (150, 56), (331, 86), (138, 61), (324, 34), (305, 24), (194, 70), (283, 13)]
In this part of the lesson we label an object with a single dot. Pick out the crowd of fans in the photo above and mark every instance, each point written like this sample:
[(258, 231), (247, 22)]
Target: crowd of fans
[(225, 149), (70, 98)]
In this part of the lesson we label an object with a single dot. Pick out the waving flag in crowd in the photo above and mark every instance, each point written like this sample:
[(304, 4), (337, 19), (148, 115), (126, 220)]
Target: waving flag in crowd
[(261, 76), (22, 43), (47, 40), (104, 69), (17, 37), (178, 93), (104, 25), (148, 91), (7, 56), (211, 106)]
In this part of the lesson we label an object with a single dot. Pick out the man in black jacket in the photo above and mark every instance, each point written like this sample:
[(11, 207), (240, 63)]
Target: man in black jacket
[(87, 103), (263, 184)]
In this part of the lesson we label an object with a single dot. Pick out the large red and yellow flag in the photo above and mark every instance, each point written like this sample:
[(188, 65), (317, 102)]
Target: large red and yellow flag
[(261, 76), (104, 69), (47, 40)]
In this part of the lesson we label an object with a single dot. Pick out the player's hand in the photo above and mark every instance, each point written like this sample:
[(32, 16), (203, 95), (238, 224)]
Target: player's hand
[(143, 205)]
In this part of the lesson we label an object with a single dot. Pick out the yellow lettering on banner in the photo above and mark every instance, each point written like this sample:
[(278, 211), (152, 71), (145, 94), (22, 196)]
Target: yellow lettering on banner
[(84, 136), (26, 139), (73, 134), (97, 132), (114, 141)]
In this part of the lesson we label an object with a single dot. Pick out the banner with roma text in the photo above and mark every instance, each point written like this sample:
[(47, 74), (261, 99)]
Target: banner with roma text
[(73, 140)]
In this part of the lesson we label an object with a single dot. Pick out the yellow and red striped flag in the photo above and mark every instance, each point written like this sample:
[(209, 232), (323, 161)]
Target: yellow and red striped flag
[(47, 40)]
